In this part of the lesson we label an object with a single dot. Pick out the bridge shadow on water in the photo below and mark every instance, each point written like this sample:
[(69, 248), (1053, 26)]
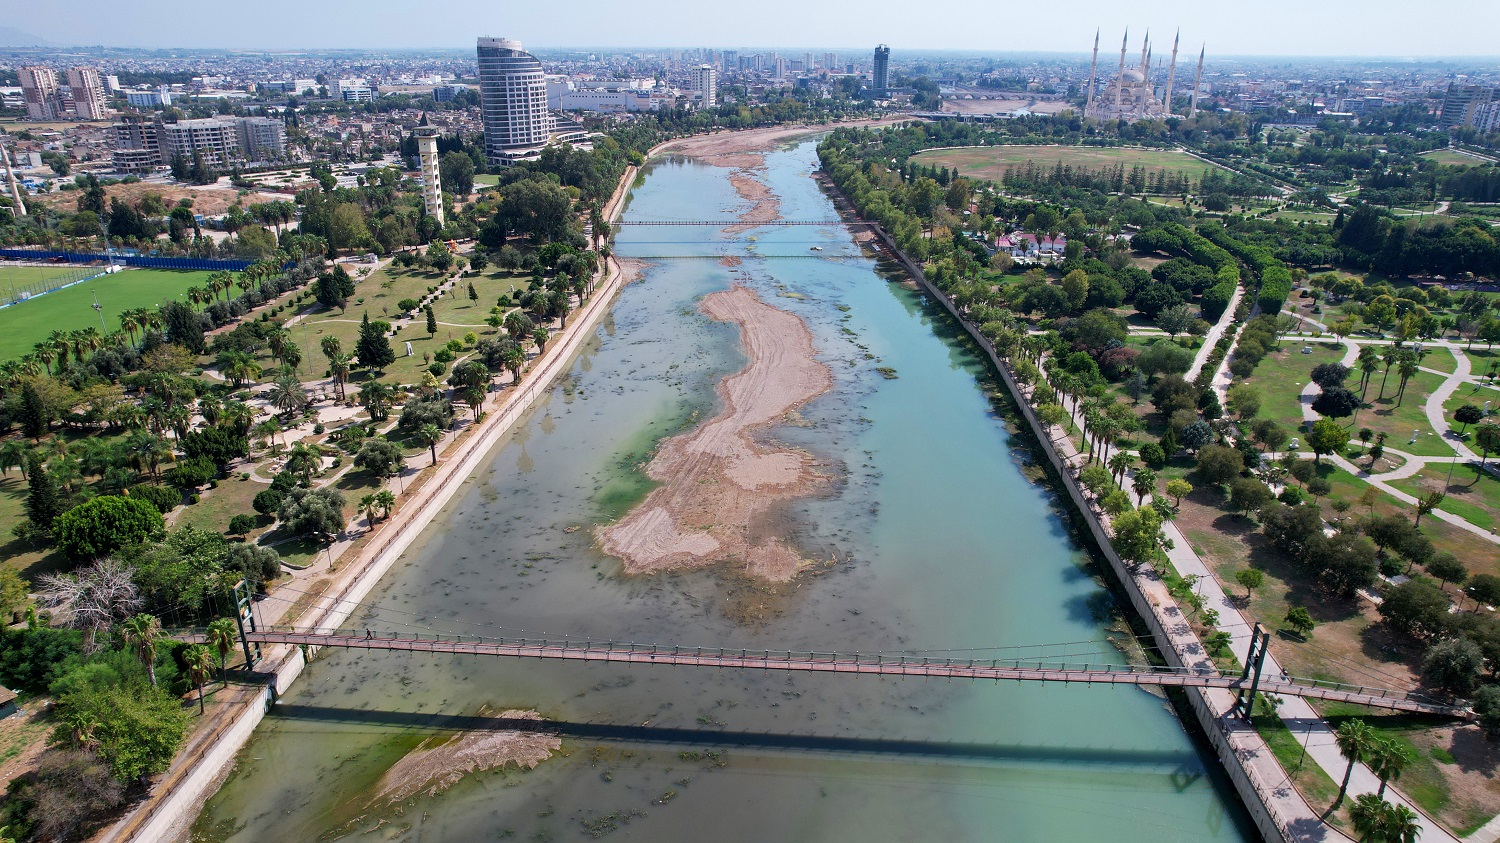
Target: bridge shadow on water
[(1184, 767)]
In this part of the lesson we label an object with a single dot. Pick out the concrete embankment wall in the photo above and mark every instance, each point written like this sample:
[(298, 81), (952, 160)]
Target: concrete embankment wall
[(1207, 706), (170, 817)]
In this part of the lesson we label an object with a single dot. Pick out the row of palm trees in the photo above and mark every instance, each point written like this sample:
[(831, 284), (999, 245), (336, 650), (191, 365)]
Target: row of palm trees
[(1376, 820), (143, 634), (1405, 361)]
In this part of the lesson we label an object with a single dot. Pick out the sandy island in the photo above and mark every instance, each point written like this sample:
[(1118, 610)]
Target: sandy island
[(435, 766), (719, 481), (744, 151)]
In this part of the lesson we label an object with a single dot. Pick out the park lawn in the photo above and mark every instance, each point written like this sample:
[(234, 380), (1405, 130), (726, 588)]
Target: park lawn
[(1422, 780), (1439, 359), (1473, 495), (30, 561), (991, 162), (216, 506), (483, 180), (1475, 394), (24, 324), (1315, 785), (1446, 157), (1478, 554), (1398, 421), (1281, 376)]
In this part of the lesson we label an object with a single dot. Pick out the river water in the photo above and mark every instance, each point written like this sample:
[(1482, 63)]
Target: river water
[(934, 540)]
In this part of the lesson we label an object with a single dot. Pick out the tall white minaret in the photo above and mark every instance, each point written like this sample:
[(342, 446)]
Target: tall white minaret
[(12, 186), (1120, 74), (432, 185), (1145, 51), (1172, 73), (1093, 71), (1197, 80)]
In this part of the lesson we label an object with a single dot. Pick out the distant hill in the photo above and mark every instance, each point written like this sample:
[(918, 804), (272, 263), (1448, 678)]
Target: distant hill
[(12, 37)]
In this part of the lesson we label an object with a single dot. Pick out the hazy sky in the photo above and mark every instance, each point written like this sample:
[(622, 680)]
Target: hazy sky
[(1263, 27)]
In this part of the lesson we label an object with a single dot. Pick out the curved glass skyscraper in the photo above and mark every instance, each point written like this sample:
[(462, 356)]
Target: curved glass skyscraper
[(513, 97)]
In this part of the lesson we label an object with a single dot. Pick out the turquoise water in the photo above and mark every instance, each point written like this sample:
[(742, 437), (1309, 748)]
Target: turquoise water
[(933, 539)]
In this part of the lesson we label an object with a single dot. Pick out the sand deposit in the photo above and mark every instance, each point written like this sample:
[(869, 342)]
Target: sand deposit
[(719, 482), (435, 766)]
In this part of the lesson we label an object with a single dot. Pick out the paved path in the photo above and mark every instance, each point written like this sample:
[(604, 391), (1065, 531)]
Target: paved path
[(1212, 337)]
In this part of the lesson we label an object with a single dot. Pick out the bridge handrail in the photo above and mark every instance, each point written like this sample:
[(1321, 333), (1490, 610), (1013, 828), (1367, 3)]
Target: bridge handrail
[(764, 656)]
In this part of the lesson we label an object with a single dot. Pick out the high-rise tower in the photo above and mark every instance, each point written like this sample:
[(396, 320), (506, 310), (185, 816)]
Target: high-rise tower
[(513, 100), (432, 181), (88, 93), (881, 80), (705, 84)]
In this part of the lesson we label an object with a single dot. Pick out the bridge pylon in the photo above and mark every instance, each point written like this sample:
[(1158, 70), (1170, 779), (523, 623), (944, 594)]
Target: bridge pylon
[(244, 619), (1255, 660)]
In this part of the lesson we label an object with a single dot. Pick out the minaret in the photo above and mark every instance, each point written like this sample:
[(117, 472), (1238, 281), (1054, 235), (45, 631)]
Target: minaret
[(13, 186), (1172, 73), (1093, 70), (432, 185), (1120, 74), (1145, 48), (1197, 80)]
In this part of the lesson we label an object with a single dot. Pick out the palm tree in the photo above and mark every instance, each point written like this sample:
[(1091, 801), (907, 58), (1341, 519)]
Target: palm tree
[(1143, 484), (267, 430), (303, 460), (338, 366), (130, 324), (1407, 368), (376, 397), (239, 367), (200, 665), (1389, 357), (276, 340), (1356, 740), (428, 436), (1388, 761), (222, 635), (143, 632), (287, 395), (147, 450), (386, 500), (1120, 463), (46, 354), (368, 505), (12, 453)]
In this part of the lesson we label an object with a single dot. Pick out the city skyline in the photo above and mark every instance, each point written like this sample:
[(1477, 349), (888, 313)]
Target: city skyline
[(1338, 29)]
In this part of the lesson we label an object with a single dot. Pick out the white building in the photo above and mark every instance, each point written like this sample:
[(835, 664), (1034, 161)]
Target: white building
[(705, 85), (354, 90), (612, 102), (513, 101), (150, 99)]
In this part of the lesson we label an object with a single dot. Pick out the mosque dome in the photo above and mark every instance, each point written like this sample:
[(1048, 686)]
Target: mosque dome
[(1133, 76)]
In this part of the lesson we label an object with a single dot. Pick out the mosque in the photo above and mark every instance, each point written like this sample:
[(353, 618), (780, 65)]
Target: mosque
[(1132, 96)]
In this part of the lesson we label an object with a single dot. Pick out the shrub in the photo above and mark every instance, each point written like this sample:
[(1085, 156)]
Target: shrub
[(241, 524), (161, 497), (105, 524)]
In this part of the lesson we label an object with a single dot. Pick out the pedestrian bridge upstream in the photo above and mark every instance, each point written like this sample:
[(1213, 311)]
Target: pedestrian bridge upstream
[(868, 664)]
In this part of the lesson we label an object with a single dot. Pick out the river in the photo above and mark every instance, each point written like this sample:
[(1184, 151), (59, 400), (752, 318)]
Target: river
[(935, 538)]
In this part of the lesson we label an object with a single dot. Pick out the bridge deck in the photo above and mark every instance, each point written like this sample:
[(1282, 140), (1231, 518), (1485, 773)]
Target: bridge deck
[(861, 664), (727, 223)]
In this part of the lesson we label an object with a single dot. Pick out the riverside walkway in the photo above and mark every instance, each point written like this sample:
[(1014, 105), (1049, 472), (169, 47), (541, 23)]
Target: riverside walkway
[(869, 664)]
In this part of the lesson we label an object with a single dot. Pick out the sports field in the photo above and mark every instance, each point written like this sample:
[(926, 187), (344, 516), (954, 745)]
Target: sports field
[(1453, 158), (991, 162), (26, 323)]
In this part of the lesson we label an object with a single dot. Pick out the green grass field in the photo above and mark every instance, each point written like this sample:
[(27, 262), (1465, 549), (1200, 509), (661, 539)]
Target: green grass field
[(1453, 158), (990, 162), (24, 324)]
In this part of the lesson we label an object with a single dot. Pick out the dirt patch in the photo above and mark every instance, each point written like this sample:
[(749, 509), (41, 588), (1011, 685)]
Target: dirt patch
[(631, 269), (209, 201), (23, 738), (730, 260), (719, 483), (436, 765)]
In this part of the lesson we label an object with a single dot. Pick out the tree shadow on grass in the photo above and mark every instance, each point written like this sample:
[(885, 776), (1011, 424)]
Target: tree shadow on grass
[(52, 562), (1380, 643), (1302, 587), (1474, 753)]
